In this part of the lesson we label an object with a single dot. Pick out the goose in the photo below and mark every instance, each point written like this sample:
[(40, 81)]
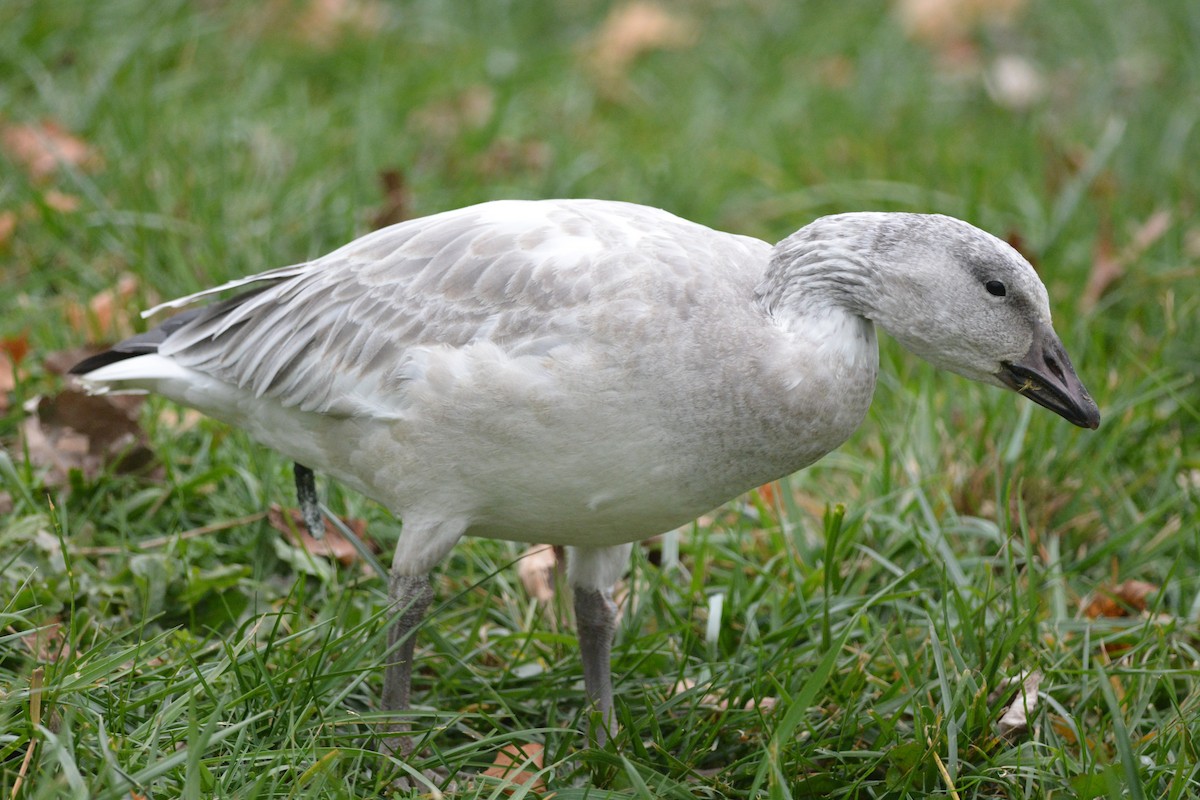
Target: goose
[(585, 373)]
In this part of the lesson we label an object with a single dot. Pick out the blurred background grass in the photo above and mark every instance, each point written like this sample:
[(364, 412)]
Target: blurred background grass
[(198, 142)]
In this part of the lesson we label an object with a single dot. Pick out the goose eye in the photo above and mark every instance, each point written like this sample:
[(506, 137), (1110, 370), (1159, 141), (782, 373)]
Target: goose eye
[(996, 288)]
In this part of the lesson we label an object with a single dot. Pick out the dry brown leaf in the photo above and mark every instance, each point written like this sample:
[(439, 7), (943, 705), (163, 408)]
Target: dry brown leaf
[(947, 23), (764, 704), (333, 544), (1015, 719), (1017, 242), (15, 347), (1109, 265), (12, 351), (8, 226), (1120, 601), (1107, 269), (8, 382), (836, 72), (1191, 242), (108, 314), (324, 22), (468, 110), (75, 430), (513, 762), (396, 200), (60, 361), (536, 568), (43, 147), (179, 418), (633, 29), (61, 201), (46, 643), (509, 157)]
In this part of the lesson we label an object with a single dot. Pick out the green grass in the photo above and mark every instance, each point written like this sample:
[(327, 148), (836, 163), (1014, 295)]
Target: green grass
[(976, 526)]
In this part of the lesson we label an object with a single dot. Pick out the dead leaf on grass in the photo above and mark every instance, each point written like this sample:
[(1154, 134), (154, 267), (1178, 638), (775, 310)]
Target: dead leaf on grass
[(396, 200), (513, 762), (512, 157), (946, 23), (1122, 600), (447, 117), (323, 23), (109, 314), (290, 522), (60, 361), (46, 643), (61, 201), (536, 568), (12, 351), (763, 704), (1015, 719), (631, 30), (41, 148), (1109, 264), (8, 226), (75, 430), (179, 418)]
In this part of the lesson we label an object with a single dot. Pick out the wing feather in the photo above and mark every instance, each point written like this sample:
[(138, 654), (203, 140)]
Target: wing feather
[(339, 334)]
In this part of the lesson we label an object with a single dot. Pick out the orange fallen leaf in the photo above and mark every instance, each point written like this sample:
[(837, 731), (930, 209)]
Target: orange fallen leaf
[(447, 117), (769, 493), (179, 418), (15, 347), (75, 430), (1122, 600), (41, 148), (333, 544), (46, 643), (396, 200), (946, 23), (323, 22), (12, 351), (536, 569), (509, 156), (60, 362), (108, 314), (1110, 264), (632, 29), (8, 226), (61, 201), (512, 764)]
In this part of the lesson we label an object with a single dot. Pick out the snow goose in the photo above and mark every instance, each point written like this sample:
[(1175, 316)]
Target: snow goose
[(587, 373)]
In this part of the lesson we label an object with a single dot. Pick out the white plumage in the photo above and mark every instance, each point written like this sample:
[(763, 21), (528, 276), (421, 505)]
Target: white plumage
[(587, 373)]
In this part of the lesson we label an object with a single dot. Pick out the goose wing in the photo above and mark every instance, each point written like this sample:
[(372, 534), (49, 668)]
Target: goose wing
[(345, 331)]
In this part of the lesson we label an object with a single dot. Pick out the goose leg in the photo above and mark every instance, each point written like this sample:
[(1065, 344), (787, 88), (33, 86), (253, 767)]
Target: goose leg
[(422, 545), (411, 594), (306, 495), (596, 621), (592, 572)]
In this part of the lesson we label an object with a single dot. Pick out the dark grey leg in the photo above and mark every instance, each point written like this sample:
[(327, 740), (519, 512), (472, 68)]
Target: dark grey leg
[(410, 595), (596, 620), (306, 494)]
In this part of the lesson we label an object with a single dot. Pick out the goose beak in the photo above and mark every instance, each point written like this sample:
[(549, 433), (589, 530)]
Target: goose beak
[(1046, 377)]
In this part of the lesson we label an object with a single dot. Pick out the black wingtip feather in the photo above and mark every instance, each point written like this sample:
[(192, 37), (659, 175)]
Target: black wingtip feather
[(139, 345), (99, 360)]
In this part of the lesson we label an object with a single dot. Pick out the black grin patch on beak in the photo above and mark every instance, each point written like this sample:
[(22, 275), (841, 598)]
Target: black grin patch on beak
[(1046, 377)]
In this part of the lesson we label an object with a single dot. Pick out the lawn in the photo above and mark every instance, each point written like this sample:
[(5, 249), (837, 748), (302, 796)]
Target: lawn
[(856, 631)]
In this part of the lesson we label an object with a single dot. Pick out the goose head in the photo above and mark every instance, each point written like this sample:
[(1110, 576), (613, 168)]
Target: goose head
[(951, 293)]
